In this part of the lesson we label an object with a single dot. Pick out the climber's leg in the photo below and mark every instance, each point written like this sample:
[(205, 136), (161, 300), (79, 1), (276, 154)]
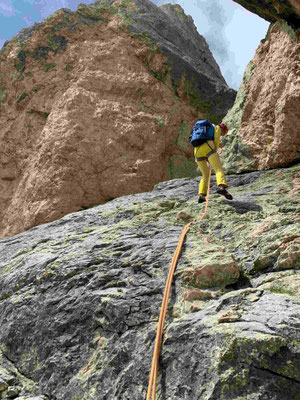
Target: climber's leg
[(204, 178), (216, 164)]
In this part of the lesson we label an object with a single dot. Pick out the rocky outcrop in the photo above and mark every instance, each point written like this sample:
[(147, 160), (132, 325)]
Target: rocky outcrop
[(263, 123), (80, 297), (99, 103), (275, 11)]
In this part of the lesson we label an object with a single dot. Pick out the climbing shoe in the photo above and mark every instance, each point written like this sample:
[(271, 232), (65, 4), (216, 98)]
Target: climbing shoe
[(224, 192), (201, 199)]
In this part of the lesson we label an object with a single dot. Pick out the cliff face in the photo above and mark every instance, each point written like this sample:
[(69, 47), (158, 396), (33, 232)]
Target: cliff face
[(93, 111), (99, 103), (80, 297), (264, 121)]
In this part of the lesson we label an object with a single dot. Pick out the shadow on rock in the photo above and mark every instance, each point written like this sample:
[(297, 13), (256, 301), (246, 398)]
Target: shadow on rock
[(242, 207)]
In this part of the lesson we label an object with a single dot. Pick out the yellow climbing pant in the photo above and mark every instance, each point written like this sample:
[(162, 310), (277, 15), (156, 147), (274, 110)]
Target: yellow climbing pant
[(207, 152)]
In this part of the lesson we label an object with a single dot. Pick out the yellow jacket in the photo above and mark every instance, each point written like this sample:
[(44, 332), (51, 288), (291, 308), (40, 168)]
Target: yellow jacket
[(211, 146)]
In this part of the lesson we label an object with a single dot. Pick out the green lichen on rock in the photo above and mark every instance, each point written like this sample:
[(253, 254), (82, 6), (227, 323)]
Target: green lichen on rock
[(62, 18), (22, 96), (40, 52), (20, 61), (181, 166), (97, 9), (2, 95), (219, 272), (92, 14), (43, 114), (182, 139), (179, 11), (95, 279), (262, 351), (285, 27), (277, 251), (13, 380), (56, 43), (49, 66), (160, 121), (236, 156), (248, 73), (3, 92), (285, 285), (262, 262), (95, 13), (145, 37), (162, 74), (202, 107)]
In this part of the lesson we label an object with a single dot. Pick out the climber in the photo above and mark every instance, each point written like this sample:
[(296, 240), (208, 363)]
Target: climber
[(207, 152)]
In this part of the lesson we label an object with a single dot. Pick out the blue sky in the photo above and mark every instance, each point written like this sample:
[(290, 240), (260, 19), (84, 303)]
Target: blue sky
[(233, 33)]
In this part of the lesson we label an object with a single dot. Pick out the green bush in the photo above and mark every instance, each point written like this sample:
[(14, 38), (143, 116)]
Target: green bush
[(22, 96)]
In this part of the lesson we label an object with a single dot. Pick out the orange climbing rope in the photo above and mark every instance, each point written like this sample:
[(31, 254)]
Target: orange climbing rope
[(164, 304)]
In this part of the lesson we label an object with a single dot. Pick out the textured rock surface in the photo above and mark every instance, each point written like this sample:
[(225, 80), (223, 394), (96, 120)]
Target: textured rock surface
[(273, 11), (109, 91), (264, 121), (80, 297)]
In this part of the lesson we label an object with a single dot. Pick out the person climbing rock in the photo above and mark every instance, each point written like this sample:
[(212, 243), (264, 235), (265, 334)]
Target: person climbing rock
[(206, 152)]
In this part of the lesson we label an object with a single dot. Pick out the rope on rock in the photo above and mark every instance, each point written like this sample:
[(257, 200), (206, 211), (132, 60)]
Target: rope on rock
[(164, 304)]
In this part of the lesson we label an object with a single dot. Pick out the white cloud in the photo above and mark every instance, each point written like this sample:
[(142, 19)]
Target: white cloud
[(28, 20), (6, 8), (245, 32)]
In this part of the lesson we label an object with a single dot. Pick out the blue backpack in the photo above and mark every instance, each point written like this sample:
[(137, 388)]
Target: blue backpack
[(202, 132)]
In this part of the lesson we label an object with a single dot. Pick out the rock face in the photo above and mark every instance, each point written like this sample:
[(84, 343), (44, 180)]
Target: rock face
[(99, 103), (264, 121), (80, 297)]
